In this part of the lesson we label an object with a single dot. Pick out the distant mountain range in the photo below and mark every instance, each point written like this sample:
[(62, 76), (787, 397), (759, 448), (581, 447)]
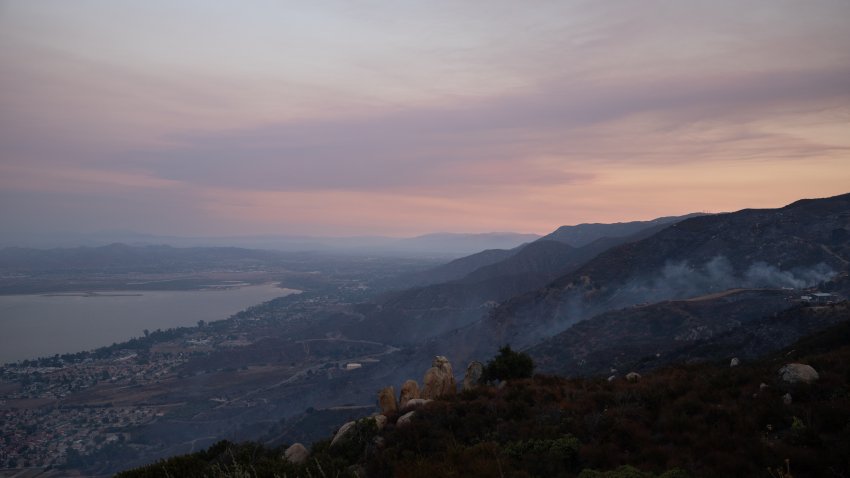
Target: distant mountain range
[(471, 286), (597, 236), (530, 295), (123, 257), (443, 245)]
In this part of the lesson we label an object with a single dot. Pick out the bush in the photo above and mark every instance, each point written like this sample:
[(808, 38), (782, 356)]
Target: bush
[(626, 471), (544, 457), (508, 365)]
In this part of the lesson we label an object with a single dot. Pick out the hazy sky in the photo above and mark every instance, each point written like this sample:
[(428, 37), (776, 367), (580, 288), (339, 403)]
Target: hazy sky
[(403, 117)]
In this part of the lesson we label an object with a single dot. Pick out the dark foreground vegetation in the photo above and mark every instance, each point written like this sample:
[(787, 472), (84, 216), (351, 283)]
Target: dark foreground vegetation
[(697, 420)]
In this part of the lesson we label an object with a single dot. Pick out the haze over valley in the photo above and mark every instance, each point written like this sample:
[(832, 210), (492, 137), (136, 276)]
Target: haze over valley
[(584, 300)]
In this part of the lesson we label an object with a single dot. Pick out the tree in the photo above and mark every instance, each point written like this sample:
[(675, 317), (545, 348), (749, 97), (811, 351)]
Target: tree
[(508, 365)]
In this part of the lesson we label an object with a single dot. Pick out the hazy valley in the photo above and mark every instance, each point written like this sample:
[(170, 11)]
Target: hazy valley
[(595, 300)]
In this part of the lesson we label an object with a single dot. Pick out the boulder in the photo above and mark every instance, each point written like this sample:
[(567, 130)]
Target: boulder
[(633, 377), (612, 378), (734, 362), (798, 373), (342, 432), (414, 403), (786, 399), (439, 380), (297, 454), (386, 400), (409, 391), (473, 375), (404, 419)]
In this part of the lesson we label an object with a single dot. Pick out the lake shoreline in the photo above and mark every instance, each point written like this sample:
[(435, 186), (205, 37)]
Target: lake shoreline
[(131, 293), (43, 325)]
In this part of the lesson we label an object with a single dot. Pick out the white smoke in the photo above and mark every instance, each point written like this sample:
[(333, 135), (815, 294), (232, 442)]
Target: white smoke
[(682, 279), (761, 274)]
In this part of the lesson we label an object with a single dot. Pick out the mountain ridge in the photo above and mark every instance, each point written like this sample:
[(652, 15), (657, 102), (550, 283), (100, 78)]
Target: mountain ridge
[(697, 256), (585, 233)]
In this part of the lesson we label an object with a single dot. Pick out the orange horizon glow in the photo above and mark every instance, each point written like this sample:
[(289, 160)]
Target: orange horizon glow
[(408, 119)]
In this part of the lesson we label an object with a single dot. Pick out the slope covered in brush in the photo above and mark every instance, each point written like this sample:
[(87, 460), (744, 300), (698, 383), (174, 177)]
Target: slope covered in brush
[(684, 420)]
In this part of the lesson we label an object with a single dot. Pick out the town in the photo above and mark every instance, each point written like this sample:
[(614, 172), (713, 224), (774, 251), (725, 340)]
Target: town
[(66, 411)]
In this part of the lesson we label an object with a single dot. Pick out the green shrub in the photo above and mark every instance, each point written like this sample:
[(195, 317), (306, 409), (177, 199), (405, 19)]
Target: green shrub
[(508, 365)]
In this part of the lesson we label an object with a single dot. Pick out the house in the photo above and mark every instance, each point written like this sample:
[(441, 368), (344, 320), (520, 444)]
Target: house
[(822, 298)]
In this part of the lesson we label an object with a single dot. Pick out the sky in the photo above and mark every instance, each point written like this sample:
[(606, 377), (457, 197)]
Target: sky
[(405, 117)]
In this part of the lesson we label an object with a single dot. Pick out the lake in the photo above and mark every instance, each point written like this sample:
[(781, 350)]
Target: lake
[(34, 326)]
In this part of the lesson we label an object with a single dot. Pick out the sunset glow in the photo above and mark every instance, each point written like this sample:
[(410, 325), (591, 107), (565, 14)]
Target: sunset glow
[(402, 118)]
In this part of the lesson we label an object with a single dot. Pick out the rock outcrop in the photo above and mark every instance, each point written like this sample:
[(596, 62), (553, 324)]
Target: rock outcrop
[(439, 380), (404, 419), (342, 432), (798, 373), (473, 375), (414, 403), (387, 401), (348, 427), (297, 453), (409, 391)]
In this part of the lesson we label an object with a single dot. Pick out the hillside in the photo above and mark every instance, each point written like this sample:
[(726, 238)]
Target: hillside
[(583, 234), (759, 337), (413, 315), (548, 259), (475, 268), (680, 421), (796, 246), (458, 268), (460, 244), (746, 324), (538, 258)]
